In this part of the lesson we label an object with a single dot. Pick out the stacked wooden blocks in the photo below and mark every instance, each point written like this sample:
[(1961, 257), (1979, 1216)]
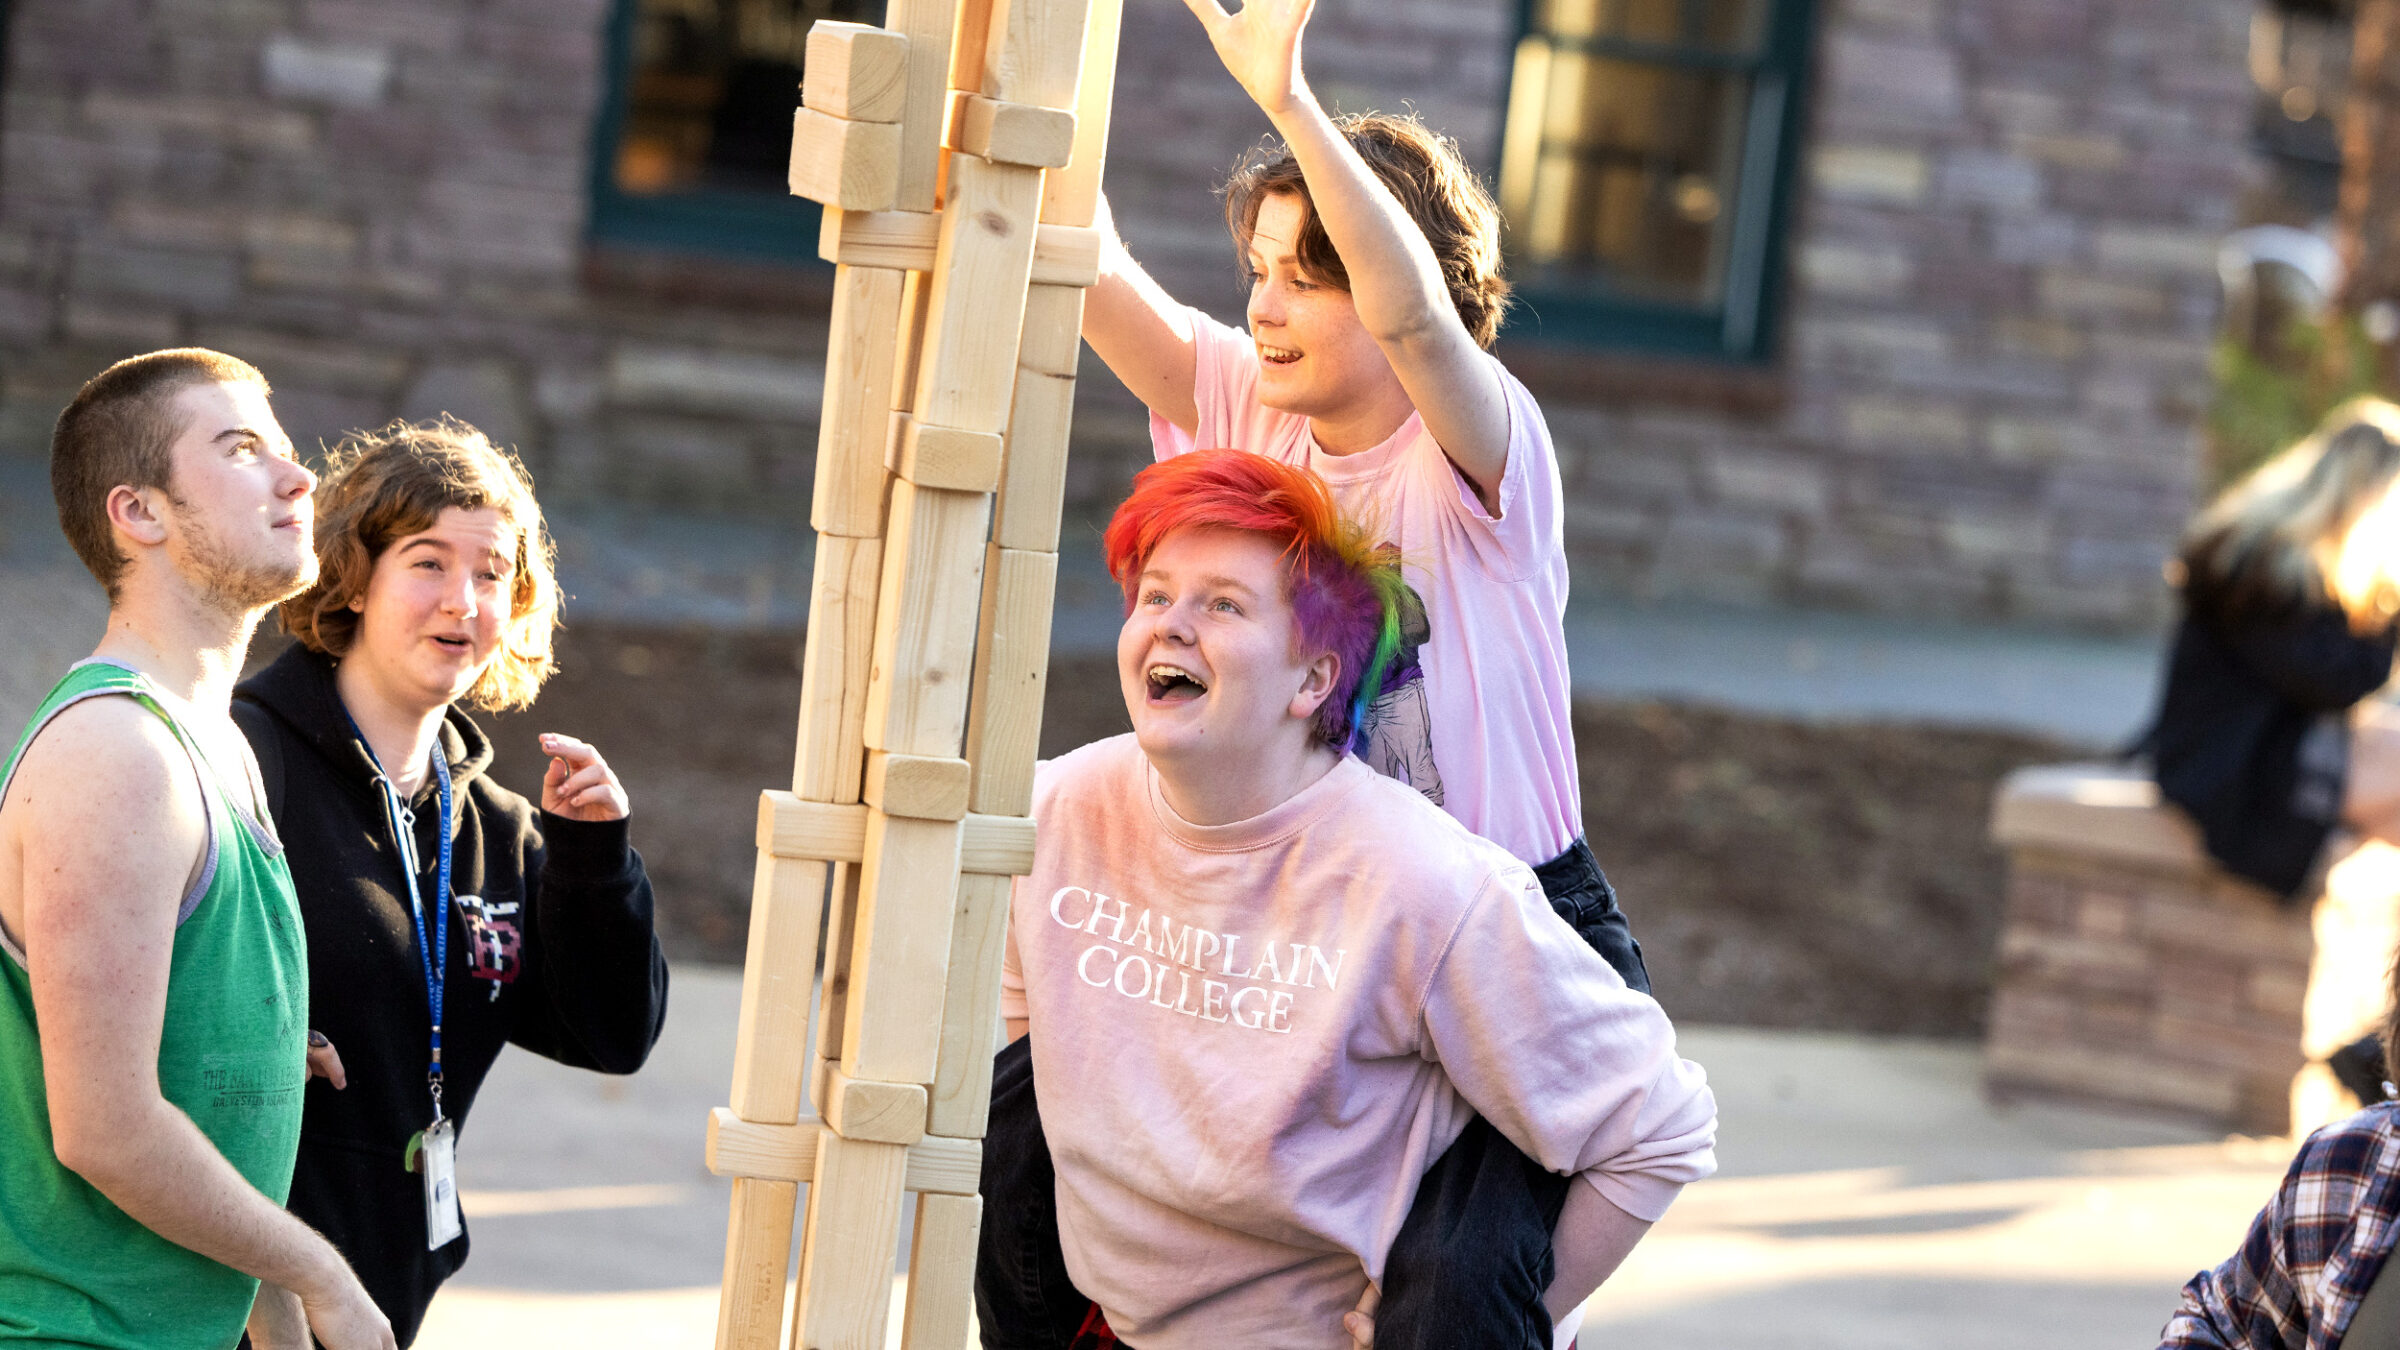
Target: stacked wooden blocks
[(957, 152)]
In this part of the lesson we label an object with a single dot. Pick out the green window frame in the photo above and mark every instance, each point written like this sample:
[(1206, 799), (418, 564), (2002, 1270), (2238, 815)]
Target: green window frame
[(1709, 290), (758, 225)]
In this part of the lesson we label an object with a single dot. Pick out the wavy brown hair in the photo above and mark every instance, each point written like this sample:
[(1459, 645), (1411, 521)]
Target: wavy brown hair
[(1425, 171), (379, 487)]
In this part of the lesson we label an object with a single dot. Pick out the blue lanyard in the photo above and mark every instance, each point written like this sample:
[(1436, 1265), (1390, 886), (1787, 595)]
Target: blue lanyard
[(434, 956)]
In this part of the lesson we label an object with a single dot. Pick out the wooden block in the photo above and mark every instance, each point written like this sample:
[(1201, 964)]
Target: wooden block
[(791, 828), (851, 480), (1033, 465), (827, 832), (918, 786), (1071, 196), (1012, 657), (834, 668), (855, 71), (941, 1273), (900, 954), (1033, 51), (1063, 255), (770, 1047), (850, 1240), (758, 1248), (741, 1148), (1016, 133), (833, 988), (909, 342), (882, 1113), (961, 1100), (928, 25), (1000, 846), (945, 457), (983, 260), (852, 165), (925, 620)]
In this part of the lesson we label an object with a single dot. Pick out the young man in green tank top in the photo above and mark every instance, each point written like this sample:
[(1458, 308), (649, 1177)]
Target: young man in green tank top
[(153, 977)]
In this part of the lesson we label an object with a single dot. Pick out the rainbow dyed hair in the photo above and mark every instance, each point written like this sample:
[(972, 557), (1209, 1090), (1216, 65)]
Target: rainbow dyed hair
[(1345, 590)]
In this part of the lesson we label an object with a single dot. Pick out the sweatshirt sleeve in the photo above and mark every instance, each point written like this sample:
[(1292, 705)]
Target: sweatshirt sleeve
[(599, 995), (2316, 660), (1544, 1040)]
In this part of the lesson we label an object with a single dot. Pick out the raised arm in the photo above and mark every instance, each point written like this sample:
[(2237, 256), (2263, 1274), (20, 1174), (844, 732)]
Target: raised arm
[(99, 928), (1394, 278), (1139, 330)]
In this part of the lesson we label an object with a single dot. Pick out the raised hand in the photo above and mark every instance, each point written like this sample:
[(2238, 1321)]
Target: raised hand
[(579, 785), (1260, 46)]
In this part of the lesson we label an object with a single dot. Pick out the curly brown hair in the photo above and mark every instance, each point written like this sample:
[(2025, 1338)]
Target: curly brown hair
[(379, 487), (1425, 171)]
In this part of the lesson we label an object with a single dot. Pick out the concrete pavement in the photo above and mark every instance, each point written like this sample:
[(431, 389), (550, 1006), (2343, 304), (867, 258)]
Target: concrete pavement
[(1869, 1199)]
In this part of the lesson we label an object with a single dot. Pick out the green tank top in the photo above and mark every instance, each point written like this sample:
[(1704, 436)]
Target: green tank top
[(75, 1270)]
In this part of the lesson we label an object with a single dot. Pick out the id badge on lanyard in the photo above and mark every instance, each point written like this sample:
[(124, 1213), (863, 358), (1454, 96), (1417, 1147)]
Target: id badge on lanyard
[(433, 1151)]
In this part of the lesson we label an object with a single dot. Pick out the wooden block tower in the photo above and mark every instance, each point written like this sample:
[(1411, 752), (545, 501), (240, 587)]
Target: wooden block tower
[(957, 151)]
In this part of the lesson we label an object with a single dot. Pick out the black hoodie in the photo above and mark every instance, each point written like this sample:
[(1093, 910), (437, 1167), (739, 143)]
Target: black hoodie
[(553, 914)]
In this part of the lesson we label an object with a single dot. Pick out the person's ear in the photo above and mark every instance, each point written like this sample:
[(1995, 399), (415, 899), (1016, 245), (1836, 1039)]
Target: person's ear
[(137, 513), (1316, 685)]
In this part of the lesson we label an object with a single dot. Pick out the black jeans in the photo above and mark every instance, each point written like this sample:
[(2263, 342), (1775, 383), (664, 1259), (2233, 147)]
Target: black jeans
[(1466, 1272)]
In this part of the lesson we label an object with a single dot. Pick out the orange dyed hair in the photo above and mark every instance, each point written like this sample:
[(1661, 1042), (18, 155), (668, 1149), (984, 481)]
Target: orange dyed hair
[(1344, 588)]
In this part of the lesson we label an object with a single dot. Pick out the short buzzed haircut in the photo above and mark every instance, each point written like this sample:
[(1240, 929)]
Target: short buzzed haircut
[(119, 432)]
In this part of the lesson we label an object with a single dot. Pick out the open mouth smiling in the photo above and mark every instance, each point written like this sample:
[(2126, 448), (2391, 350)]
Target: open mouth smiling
[(1168, 684), (1277, 356)]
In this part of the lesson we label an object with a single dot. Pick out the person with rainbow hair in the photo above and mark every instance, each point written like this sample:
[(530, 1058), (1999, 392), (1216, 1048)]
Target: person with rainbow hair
[(1269, 985)]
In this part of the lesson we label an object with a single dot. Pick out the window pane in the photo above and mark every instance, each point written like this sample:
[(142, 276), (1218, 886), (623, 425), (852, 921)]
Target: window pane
[(1622, 174), (1730, 25), (710, 97)]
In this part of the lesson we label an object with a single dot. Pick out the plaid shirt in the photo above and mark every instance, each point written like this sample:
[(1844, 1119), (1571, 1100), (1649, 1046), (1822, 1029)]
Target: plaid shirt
[(2311, 1253)]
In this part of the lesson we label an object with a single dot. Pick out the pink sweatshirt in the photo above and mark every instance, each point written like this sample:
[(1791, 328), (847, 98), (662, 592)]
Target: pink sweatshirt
[(1253, 1039), (1485, 734)]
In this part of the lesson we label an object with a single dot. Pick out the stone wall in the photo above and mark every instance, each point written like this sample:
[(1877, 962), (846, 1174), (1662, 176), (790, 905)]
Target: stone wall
[(381, 203), (1984, 402)]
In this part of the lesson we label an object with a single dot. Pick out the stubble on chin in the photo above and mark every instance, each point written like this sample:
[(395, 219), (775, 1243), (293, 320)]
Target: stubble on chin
[(233, 584)]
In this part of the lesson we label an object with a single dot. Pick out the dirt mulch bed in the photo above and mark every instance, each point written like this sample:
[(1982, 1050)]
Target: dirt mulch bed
[(1777, 873)]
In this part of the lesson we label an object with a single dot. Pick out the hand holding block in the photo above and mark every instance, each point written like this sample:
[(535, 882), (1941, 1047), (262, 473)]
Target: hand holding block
[(921, 787), (881, 1113), (1016, 133), (856, 72), (852, 165), (945, 457)]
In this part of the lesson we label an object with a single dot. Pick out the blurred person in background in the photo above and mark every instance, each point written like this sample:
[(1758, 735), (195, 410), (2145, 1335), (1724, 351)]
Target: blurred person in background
[(2312, 1271), (446, 917), (2268, 733)]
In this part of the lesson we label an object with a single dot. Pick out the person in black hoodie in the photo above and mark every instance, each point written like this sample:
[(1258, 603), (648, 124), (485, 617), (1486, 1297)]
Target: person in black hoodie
[(2266, 734), (435, 590)]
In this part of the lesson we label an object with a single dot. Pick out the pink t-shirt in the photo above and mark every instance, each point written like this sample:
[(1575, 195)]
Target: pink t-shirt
[(1253, 1039), (1486, 733)]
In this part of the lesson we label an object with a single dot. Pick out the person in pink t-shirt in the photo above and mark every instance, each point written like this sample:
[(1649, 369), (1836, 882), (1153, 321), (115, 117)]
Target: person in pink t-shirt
[(1374, 262), (1267, 987)]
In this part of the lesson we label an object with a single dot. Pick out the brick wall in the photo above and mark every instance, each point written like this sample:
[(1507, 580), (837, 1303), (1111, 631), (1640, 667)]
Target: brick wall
[(1984, 403)]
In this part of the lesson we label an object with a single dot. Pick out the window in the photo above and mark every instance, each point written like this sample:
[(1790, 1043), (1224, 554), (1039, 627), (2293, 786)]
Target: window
[(695, 133), (1645, 168)]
